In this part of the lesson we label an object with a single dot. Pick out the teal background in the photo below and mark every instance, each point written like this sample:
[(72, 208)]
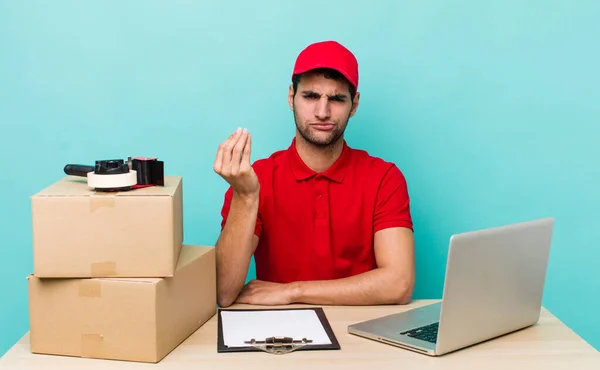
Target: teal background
[(490, 108)]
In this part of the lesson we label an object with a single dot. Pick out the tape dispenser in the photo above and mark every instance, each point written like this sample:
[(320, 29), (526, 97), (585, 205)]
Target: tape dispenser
[(119, 175)]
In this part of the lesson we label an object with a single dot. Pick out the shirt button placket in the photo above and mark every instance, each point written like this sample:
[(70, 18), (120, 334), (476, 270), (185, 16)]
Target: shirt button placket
[(321, 187), (322, 237)]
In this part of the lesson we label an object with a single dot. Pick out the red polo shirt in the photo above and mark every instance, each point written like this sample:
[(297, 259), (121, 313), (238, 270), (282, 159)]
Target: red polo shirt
[(320, 226)]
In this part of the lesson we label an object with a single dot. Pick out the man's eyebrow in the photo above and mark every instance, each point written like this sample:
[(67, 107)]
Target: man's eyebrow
[(338, 96)]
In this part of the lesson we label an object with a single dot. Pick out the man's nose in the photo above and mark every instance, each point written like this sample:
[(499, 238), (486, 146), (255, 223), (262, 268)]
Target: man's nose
[(322, 110)]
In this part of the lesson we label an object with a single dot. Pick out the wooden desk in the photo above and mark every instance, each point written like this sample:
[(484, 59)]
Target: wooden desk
[(548, 345)]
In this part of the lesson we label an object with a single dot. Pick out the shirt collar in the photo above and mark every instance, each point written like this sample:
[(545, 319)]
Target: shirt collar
[(302, 172)]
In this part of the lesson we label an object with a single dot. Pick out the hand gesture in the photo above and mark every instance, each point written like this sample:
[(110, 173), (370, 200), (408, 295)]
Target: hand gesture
[(233, 163)]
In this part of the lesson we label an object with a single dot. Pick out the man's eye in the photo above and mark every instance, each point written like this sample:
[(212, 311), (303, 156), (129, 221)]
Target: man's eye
[(311, 96)]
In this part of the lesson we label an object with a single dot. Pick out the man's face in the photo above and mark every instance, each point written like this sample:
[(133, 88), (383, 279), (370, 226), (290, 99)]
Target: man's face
[(322, 108)]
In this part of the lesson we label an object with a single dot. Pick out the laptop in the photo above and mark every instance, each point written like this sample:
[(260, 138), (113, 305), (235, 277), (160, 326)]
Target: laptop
[(493, 286)]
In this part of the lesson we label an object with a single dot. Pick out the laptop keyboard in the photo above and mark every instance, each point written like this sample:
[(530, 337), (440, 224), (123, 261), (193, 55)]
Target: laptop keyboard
[(427, 333)]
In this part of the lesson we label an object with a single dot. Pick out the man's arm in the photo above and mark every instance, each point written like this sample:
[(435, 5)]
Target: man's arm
[(235, 247), (392, 282), (237, 240)]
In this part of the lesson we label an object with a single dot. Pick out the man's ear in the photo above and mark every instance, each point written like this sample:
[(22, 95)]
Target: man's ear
[(291, 97), (355, 103)]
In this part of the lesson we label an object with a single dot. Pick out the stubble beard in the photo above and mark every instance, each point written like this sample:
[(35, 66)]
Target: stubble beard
[(322, 143)]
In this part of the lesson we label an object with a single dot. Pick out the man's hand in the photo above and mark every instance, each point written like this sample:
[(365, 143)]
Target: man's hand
[(233, 163), (260, 292)]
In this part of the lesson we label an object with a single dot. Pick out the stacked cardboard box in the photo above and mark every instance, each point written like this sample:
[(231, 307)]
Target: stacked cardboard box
[(112, 278)]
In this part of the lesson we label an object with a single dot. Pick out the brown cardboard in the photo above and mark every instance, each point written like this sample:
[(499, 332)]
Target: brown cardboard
[(78, 232), (130, 319)]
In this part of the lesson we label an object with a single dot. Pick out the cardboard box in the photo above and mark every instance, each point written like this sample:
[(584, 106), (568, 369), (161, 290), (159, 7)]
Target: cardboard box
[(78, 232), (126, 319)]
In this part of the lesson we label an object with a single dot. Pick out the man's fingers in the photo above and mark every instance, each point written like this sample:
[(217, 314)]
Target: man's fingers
[(246, 154), (218, 165), (227, 150), (244, 296), (236, 155), (241, 298)]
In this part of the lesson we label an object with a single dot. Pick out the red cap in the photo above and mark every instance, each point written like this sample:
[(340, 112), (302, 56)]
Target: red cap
[(328, 54)]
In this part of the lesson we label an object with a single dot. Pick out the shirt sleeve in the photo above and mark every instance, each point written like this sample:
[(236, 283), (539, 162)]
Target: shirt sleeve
[(225, 212), (392, 208)]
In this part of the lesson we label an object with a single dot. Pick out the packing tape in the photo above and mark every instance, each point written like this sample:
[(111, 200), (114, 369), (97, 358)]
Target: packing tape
[(90, 288), (101, 201), (104, 269), (92, 345)]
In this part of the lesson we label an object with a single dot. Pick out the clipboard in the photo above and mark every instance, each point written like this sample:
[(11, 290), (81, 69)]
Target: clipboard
[(277, 343)]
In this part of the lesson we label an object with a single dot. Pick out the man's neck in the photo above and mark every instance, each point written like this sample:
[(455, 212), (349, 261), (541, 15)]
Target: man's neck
[(318, 159)]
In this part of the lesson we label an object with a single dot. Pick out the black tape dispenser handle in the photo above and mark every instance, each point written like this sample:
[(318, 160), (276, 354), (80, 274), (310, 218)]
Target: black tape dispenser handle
[(78, 169)]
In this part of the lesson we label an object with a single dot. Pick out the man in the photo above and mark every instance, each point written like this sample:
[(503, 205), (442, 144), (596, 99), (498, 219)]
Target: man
[(327, 224)]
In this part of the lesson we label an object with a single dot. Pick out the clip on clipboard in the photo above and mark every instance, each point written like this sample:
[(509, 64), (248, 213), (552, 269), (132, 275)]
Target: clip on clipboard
[(275, 331), (279, 345)]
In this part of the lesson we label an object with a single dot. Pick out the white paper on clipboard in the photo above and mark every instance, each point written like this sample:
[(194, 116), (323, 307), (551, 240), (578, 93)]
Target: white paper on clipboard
[(241, 326)]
